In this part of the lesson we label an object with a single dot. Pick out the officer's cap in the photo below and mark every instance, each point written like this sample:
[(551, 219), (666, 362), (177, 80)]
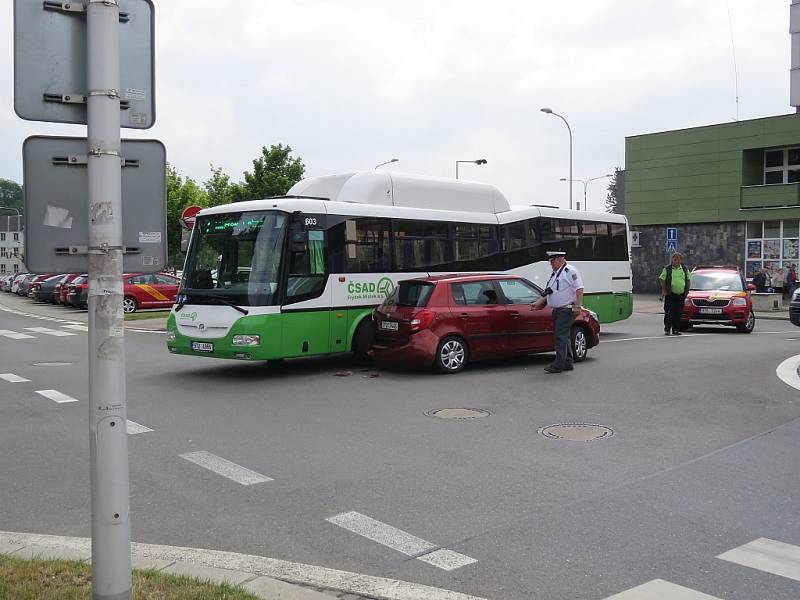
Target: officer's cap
[(554, 253)]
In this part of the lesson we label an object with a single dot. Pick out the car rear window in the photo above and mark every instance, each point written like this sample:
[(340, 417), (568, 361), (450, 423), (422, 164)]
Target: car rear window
[(411, 293)]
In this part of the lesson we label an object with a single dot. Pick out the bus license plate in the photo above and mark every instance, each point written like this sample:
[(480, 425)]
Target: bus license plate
[(711, 311), (389, 325), (202, 346)]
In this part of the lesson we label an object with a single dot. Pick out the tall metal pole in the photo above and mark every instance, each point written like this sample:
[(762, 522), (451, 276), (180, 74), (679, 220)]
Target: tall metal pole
[(111, 537)]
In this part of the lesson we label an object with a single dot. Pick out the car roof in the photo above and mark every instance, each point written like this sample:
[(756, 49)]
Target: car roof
[(461, 278)]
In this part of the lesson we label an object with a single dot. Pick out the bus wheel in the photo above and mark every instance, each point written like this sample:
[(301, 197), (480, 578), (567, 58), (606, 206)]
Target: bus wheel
[(362, 341)]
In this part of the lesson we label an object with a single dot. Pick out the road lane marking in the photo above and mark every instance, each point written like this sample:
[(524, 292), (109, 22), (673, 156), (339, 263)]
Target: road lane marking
[(651, 337), (658, 589), (16, 336), (76, 327), (447, 560), (311, 575), (11, 378), (134, 428), (767, 555), (48, 331), (787, 372), (56, 396), (399, 540), (226, 468)]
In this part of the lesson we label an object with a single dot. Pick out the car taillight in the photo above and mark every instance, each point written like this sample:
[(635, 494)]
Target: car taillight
[(84, 286), (422, 320)]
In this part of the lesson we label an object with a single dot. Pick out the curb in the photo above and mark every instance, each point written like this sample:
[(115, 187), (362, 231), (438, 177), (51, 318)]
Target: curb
[(258, 585), (268, 578)]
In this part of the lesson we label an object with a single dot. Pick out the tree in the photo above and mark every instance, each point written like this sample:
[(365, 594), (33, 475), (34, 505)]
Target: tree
[(218, 188), (180, 194), (612, 204), (274, 172), (11, 195)]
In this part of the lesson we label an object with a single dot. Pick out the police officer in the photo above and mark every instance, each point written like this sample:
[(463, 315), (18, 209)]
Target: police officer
[(564, 294)]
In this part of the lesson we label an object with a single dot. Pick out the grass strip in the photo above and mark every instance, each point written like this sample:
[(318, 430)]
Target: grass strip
[(39, 579), (155, 314)]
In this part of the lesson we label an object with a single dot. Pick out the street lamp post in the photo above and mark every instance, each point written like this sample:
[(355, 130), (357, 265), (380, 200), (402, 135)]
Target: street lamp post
[(549, 111), (387, 162), (478, 161), (585, 183)]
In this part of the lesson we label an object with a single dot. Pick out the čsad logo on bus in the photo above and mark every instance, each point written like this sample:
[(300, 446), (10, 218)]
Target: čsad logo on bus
[(369, 290)]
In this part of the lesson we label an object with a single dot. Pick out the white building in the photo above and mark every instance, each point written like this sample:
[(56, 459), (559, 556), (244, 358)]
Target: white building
[(12, 243)]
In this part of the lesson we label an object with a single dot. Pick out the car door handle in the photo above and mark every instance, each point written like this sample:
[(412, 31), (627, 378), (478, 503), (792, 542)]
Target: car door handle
[(464, 316), (515, 315)]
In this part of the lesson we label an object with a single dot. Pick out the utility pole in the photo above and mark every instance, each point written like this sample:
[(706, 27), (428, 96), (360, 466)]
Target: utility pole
[(111, 533)]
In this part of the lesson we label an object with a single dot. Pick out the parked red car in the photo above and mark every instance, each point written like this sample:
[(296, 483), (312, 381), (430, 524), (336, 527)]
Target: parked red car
[(718, 296), (448, 321), (149, 290), (62, 287), (35, 283)]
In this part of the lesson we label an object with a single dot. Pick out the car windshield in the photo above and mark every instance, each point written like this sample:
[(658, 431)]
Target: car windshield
[(235, 257), (728, 282), (410, 293)]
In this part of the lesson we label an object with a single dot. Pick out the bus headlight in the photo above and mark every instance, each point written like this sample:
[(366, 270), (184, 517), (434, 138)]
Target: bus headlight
[(246, 340), (170, 336)]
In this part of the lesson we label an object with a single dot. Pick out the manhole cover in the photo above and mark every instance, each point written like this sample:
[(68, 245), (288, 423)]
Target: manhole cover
[(457, 413), (577, 432), (52, 364)]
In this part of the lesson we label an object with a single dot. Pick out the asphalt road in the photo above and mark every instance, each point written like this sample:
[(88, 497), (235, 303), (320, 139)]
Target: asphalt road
[(702, 460)]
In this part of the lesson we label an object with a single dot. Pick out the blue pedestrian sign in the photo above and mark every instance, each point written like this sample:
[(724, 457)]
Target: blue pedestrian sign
[(672, 245), (672, 233)]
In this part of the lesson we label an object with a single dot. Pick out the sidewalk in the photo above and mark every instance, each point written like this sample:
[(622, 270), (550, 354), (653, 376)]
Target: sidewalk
[(650, 304)]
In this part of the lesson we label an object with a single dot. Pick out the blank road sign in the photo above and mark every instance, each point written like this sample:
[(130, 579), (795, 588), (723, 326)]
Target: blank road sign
[(56, 204), (50, 62)]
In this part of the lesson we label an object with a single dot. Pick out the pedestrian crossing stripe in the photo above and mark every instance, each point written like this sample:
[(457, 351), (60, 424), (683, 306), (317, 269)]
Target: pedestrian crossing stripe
[(769, 556), (658, 589)]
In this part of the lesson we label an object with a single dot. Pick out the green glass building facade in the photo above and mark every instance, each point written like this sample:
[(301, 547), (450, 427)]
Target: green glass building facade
[(730, 191)]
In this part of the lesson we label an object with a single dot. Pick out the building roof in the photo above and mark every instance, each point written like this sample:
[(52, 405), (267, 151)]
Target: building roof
[(12, 223)]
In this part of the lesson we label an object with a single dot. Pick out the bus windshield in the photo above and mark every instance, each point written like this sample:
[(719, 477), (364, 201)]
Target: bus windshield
[(235, 257)]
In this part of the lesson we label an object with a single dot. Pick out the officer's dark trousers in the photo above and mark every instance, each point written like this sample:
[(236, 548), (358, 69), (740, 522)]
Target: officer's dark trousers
[(563, 318), (673, 308)]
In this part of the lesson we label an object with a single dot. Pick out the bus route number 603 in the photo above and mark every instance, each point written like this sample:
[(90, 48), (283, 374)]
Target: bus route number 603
[(311, 221)]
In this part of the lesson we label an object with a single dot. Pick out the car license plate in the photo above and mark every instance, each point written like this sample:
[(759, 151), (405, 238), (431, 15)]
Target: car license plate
[(711, 311), (389, 325), (202, 346)]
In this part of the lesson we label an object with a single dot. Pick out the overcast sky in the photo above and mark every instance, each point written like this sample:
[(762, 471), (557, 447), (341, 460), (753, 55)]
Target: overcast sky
[(349, 84)]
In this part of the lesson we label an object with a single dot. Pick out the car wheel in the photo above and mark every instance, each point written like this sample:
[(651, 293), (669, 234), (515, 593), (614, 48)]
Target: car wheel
[(128, 305), (580, 343), (451, 355), (748, 325), (362, 341)]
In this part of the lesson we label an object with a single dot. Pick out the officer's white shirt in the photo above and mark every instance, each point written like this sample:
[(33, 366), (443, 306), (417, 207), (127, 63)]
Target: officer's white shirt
[(565, 283)]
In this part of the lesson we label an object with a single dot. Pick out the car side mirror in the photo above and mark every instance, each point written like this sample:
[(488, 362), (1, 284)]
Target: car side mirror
[(751, 287)]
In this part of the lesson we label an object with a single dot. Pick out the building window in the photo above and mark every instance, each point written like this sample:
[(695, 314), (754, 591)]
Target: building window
[(782, 166), (16, 252), (3, 253), (3, 268), (16, 237), (16, 268), (2, 237), (772, 246)]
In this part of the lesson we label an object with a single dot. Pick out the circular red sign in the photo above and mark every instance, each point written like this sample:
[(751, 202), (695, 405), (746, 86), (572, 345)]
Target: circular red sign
[(189, 214)]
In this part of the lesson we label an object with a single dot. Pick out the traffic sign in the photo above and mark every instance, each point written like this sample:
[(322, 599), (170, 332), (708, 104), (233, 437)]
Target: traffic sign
[(56, 212), (189, 215), (672, 246), (672, 233), (50, 62), (635, 239)]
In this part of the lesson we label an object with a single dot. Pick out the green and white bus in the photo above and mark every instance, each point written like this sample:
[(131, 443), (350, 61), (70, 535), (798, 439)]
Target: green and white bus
[(299, 275)]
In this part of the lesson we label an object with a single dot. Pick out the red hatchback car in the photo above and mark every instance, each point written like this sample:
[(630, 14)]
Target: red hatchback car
[(449, 320), (156, 290), (718, 296)]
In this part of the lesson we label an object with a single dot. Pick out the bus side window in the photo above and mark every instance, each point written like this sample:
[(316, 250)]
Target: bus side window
[(307, 273)]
